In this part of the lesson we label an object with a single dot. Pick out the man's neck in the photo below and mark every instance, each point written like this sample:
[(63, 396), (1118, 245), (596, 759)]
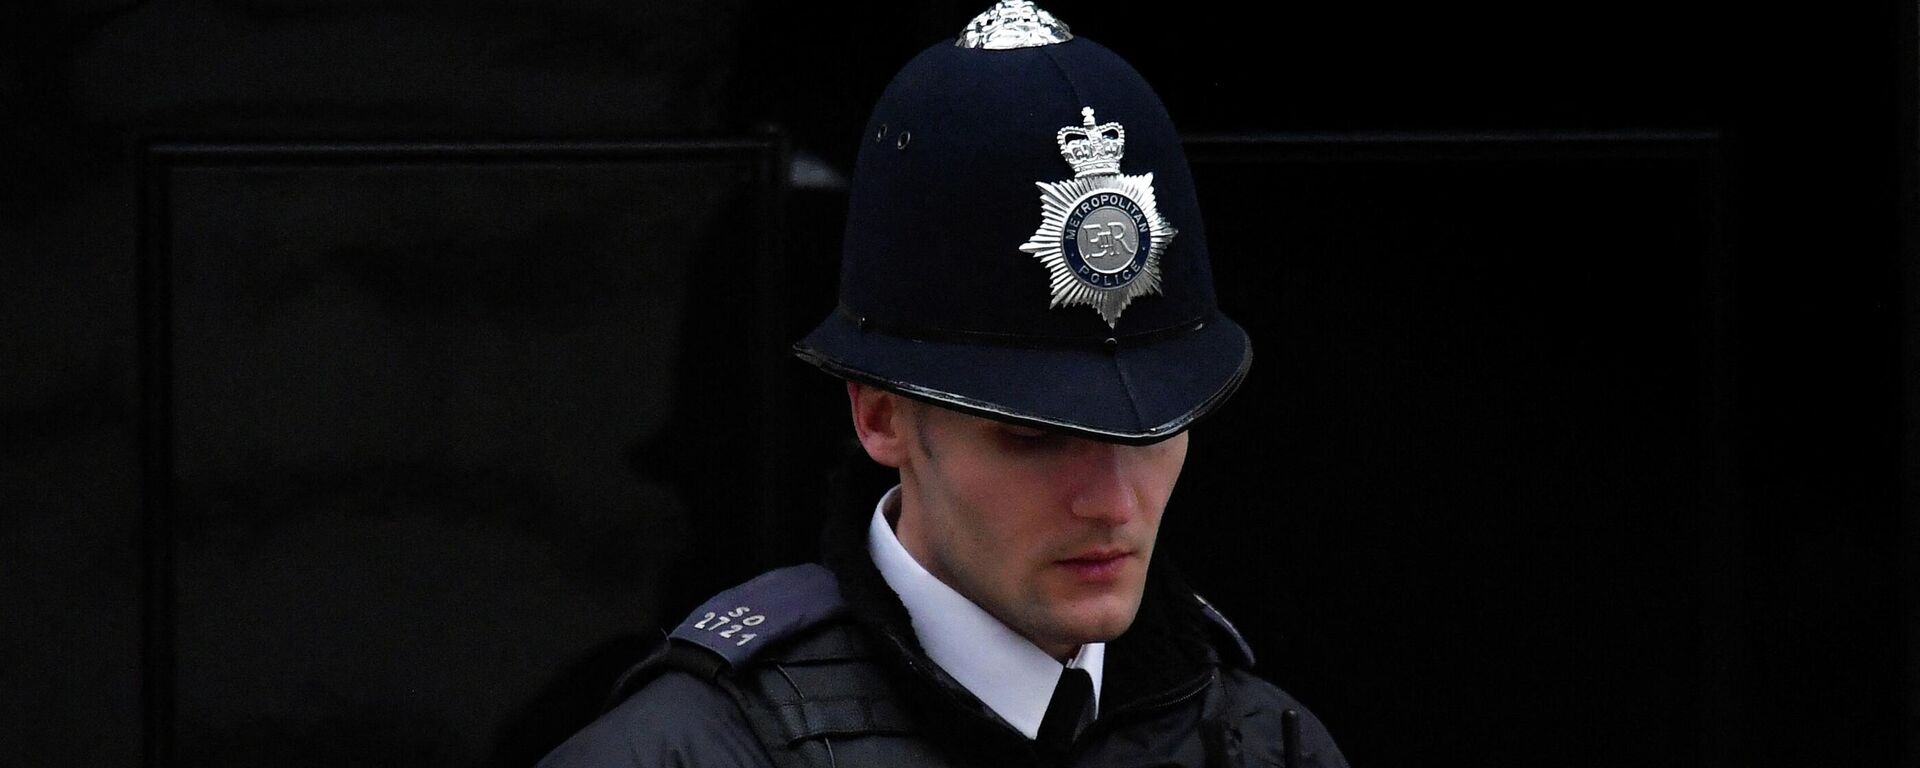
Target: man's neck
[(1005, 670)]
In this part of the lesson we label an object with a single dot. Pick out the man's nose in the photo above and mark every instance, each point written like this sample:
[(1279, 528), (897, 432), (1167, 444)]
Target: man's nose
[(1101, 489)]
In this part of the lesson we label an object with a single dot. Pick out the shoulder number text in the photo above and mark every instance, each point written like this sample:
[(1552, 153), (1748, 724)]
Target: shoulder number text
[(729, 624)]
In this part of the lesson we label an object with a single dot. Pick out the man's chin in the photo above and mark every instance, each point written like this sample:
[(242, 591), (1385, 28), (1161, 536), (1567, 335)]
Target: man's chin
[(1100, 619)]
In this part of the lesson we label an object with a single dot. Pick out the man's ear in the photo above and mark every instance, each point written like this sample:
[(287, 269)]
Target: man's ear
[(880, 421)]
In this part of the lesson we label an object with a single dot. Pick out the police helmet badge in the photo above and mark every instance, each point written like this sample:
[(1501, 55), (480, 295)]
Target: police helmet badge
[(1101, 235)]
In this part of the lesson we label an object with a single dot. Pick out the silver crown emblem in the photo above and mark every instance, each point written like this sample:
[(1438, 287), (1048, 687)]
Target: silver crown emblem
[(1013, 24), (1092, 149)]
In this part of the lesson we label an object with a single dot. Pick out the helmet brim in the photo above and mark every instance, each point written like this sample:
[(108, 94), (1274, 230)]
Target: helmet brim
[(1135, 395)]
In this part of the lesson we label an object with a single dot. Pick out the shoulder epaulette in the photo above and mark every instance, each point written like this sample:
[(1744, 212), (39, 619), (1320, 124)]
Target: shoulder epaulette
[(782, 603), (726, 631), (1226, 629)]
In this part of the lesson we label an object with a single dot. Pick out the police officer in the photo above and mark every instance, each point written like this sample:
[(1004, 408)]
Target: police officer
[(1027, 327)]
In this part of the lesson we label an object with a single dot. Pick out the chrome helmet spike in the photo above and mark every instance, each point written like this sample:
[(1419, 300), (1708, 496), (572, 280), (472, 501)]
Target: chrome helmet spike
[(1012, 24)]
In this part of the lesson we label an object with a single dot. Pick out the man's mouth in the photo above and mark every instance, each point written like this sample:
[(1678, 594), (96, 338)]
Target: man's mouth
[(1097, 565)]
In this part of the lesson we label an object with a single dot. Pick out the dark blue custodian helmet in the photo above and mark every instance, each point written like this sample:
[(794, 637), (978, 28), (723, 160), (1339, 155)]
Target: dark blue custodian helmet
[(1023, 243)]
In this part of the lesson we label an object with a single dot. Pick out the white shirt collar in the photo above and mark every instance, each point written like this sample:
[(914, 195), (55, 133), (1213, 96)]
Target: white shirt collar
[(1006, 671)]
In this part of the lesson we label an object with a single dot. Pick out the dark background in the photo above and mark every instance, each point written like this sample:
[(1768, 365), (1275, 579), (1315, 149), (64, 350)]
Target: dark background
[(377, 374)]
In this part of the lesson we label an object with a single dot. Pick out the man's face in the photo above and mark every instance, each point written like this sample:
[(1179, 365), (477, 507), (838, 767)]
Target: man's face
[(1051, 534)]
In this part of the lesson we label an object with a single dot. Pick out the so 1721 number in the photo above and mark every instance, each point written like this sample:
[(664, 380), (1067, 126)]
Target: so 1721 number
[(729, 624)]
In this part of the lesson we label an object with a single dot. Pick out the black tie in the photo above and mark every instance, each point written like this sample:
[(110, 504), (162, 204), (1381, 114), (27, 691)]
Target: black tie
[(1068, 713)]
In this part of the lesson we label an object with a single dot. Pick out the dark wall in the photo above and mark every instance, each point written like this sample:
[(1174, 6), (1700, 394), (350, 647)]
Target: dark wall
[(378, 376)]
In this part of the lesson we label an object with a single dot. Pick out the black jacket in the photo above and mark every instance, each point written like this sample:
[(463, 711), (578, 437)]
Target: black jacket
[(855, 689)]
